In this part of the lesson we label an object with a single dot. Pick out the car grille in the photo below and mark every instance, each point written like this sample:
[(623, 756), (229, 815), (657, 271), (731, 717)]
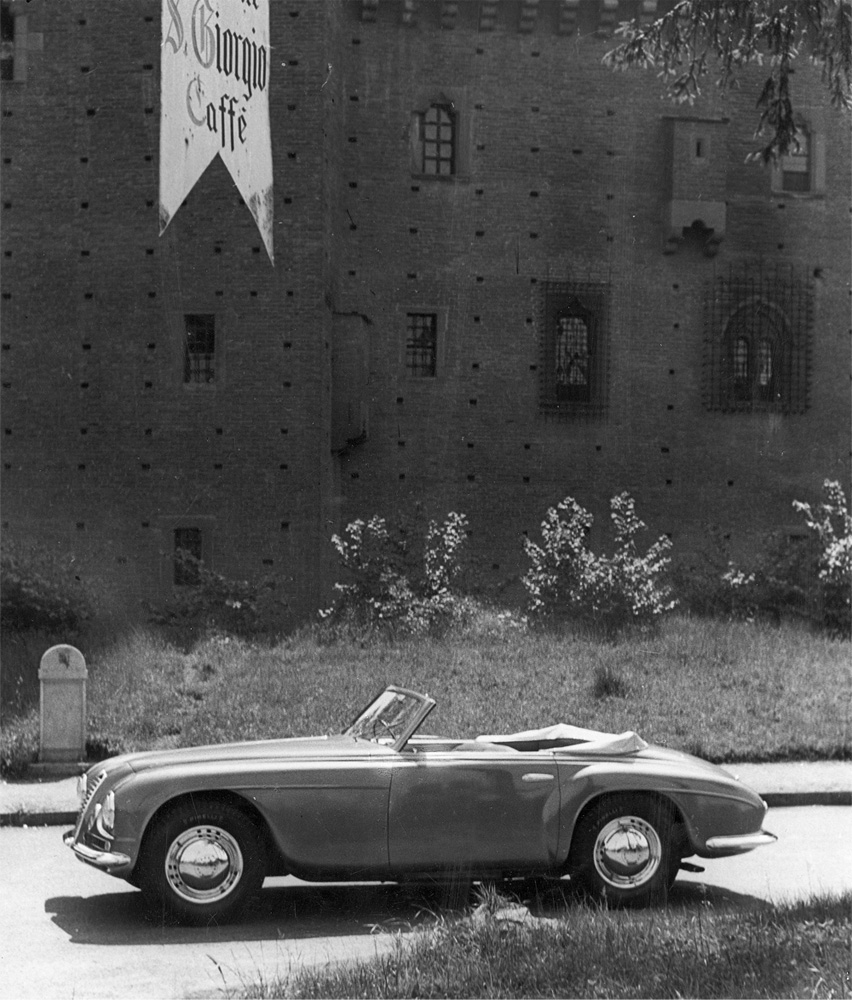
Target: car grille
[(93, 784)]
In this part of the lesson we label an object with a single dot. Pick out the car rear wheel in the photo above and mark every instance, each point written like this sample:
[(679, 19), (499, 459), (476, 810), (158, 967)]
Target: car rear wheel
[(203, 862), (622, 851)]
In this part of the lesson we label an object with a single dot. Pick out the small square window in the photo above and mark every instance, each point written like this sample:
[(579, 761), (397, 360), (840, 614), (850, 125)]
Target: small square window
[(199, 360), (421, 345), (187, 557)]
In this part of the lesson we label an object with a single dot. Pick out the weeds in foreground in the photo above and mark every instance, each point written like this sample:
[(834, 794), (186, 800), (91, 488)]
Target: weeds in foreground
[(770, 951)]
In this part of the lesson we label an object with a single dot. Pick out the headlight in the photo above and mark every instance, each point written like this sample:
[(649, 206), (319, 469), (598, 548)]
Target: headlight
[(81, 790), (105, 821)]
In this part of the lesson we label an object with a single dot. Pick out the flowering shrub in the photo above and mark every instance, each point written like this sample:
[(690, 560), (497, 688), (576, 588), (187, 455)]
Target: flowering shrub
[(394, 585), (566, 579), (831, 524)]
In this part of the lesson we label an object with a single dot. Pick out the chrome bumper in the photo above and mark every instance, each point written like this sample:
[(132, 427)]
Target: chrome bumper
[(741, 843), (105, 860)]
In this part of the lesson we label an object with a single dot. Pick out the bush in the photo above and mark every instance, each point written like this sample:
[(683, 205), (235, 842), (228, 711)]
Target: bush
[(566, 580), (777, 583), (19, 739), (398, 581), (831, 524), (216, 604), (809, 577), (41, 590)]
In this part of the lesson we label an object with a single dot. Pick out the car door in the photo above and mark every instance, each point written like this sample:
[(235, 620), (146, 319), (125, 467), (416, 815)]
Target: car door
[(472, 809), (329, 815)]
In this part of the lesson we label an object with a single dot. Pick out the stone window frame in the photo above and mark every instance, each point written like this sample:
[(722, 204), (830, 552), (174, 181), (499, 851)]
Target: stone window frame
[(811, 164), (454, 101), (749, 305), (589, 302)]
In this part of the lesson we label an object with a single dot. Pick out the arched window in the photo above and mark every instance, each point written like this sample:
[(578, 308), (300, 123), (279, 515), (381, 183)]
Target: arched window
[(754, 338), (758, 320), (434, 140)]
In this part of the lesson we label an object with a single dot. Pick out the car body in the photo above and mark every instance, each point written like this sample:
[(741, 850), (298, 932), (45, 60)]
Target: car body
[(198, 829)]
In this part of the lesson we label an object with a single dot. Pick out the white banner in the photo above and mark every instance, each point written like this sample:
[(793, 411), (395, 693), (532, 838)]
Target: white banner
[(214, 98)]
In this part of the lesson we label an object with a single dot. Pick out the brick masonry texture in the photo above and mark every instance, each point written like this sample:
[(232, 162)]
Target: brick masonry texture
[(564, 176)]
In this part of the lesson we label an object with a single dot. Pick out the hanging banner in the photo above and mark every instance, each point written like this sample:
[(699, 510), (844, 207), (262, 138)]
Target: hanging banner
[(214, 98)]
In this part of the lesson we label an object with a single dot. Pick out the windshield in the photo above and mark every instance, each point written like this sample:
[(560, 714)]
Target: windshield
[(391, 717)]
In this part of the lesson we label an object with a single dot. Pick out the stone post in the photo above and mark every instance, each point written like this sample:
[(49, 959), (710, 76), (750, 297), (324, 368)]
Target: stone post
[(63, 705)]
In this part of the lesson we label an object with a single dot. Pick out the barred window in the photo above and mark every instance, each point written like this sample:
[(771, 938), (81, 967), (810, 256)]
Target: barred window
[(187, 556), (435, 141), (758, 327), (421, 345), (199, 359), (573, 369)]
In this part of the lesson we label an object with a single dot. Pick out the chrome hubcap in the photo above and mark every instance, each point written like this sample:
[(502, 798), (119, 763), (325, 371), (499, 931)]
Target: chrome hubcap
[(627, 852), (204, 864)]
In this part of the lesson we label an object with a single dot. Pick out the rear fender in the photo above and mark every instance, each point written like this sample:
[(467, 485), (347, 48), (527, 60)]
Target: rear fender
[(702, 807)]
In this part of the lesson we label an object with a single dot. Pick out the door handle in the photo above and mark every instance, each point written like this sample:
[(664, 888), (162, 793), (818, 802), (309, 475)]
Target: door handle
[(536, 776)]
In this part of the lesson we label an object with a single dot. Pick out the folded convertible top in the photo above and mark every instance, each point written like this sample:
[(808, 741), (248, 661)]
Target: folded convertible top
[(571, 739)]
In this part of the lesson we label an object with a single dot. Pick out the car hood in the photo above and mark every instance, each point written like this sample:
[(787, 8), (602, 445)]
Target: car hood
[(255, 750)]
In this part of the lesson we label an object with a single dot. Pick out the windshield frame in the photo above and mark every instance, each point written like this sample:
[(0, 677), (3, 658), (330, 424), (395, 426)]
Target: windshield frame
[(415, 716)]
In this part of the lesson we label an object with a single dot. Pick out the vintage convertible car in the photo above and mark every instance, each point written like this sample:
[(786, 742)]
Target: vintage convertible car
[(198, 829)]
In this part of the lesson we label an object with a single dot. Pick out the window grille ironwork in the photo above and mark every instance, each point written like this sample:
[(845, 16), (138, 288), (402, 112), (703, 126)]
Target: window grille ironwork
[(199, 365), (421, 345), (758, 322), (438, 134), (573, 320), (188, 555)]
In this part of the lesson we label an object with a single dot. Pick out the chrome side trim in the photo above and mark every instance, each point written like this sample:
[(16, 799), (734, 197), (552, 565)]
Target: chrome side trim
[(536, 776), (741, 842), (100, 859)]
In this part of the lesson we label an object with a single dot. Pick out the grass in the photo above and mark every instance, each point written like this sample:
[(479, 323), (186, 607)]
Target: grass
[(725, 691), (799, 950)]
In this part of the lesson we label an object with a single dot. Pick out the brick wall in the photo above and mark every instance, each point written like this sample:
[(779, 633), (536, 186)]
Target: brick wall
[(567, 173), (564, 175), (106, 449)]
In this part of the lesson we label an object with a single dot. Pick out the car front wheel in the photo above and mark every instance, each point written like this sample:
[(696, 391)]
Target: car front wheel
[(203, 863), (622, 851)]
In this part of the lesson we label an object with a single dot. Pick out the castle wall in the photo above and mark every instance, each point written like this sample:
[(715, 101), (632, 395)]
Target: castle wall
[(564, 181)]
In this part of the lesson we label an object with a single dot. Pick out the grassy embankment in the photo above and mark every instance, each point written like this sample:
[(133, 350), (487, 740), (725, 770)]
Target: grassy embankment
[(694, 950), (725, 691)]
